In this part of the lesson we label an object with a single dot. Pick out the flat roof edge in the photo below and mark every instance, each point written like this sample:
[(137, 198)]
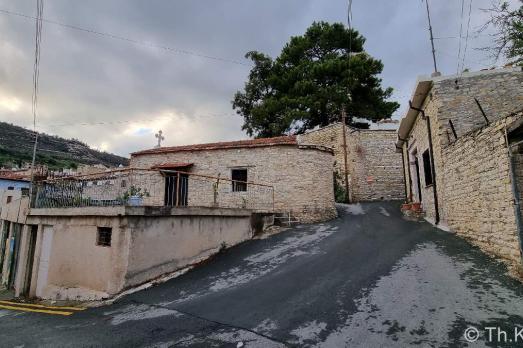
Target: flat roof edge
[(141, 211)]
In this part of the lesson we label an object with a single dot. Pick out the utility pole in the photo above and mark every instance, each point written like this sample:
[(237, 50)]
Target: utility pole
[(436, 73), (343, 113), (346, 170), (36, 73)]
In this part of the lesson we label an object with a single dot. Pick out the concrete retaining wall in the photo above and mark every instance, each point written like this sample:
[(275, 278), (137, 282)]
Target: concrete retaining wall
[(146, 243), (162, 245)]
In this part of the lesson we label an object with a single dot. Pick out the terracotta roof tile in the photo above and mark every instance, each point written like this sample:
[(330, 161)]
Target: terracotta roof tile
[(13, 176), (261, 142), (172, 165)]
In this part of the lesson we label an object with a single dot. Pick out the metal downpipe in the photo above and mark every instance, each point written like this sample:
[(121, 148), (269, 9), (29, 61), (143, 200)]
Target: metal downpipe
[(433, 169)]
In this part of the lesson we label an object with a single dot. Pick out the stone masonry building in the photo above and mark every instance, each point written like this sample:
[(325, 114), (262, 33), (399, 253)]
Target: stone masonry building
[(94, 236), (300, 173), (373, 165), (459, 142)]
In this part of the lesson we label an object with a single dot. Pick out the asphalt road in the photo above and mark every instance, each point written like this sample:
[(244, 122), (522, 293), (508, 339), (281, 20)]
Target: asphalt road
[(367, 279)]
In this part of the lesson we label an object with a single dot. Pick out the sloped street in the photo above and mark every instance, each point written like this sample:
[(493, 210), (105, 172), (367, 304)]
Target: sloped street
[(368, 278)]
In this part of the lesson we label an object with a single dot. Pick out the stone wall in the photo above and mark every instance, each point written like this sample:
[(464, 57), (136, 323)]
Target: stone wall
[(108, 187), (374, 166), (477, 191), (301, 176), (500, 93), (417, 143), (473, 169), (517, 160)]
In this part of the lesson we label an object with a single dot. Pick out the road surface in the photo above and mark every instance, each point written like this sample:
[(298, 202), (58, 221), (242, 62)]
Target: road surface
[(367, 279)]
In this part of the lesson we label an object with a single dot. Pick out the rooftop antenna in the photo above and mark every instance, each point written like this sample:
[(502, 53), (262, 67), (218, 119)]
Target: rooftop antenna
[(160, 138), (435, 73)]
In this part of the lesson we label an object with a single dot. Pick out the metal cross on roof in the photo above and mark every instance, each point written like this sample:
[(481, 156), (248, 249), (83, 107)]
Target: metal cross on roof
[(160, 138)]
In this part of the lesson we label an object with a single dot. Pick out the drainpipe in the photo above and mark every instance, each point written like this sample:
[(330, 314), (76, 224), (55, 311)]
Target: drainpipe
[(515, 193), (408, 166), (344, 128), (433, 168), (404, 173)]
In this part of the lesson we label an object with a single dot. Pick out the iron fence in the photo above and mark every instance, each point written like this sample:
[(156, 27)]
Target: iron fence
[(148, 187)]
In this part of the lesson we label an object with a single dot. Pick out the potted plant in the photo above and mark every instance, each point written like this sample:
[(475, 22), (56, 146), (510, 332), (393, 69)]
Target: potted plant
[(406, 206), (134, 196), (416, 207)]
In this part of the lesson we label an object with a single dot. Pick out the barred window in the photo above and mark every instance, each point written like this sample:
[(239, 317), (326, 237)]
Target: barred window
[(427, 168), (239, 180), (103, 237)]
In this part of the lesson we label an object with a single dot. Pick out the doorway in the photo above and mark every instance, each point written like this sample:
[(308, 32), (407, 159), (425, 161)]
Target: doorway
[(45, 255), (4, 234), (176, 189), (418, 182), (14, 253), (415, 175), (515, 138), (33, 230)]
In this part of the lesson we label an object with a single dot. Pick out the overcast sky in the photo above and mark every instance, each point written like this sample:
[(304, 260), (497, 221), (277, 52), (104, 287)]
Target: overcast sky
[(137, 89)]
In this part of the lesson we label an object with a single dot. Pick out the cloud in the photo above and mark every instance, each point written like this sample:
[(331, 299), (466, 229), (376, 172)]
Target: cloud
[(116, 95), (10, 103), (142, 131)]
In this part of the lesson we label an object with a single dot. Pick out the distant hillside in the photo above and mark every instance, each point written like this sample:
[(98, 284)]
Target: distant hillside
[(16, 147)]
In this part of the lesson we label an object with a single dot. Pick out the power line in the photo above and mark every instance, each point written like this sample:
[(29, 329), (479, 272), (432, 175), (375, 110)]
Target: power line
[(466, 38), (457, 37), (460, 34), (94, 123), (36, 76), (466, 60), (126, 39)]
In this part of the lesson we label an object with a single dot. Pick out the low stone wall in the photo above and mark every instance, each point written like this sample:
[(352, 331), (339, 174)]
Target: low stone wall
[(477, 191)]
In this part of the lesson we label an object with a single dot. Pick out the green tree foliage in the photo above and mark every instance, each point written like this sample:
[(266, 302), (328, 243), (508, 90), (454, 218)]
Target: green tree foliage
[(508, 40), (307, 85)]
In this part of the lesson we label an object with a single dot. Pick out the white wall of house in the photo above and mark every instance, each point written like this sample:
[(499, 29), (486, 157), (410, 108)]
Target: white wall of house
[(71, 264)]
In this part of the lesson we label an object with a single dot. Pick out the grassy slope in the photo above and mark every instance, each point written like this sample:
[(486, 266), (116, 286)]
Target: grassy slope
[(16, 147)]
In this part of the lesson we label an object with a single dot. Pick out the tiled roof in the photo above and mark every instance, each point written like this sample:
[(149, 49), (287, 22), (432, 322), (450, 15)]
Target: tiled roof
[(172, 165), (261, 142), (13, 176)]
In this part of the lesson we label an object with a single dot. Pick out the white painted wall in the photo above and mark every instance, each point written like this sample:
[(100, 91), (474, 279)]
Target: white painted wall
[(45, 255)]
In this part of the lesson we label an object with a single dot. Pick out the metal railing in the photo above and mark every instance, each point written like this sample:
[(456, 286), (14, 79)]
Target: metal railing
[(152, 187)]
